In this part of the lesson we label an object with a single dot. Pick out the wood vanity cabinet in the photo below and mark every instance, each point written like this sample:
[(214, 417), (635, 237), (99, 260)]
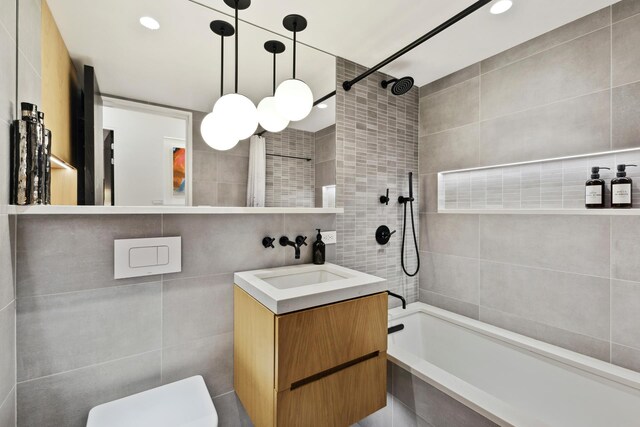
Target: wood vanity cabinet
[(325, 366)]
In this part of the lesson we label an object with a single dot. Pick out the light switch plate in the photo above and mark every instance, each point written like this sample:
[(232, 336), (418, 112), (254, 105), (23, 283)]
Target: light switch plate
[(329, 237), (146, 257)]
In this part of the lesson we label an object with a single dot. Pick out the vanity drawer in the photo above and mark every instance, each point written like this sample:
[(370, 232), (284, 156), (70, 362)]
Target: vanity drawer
[(316, 340), (338, 400)]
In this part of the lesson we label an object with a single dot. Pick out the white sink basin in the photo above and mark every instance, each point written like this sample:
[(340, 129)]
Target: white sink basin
[(286, 289)]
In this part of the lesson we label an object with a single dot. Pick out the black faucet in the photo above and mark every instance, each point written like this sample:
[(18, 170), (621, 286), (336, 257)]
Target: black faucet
[(300, 241), (404, 302)]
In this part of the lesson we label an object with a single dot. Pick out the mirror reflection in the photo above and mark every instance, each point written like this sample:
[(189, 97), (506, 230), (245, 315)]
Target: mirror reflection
[(126, 87)]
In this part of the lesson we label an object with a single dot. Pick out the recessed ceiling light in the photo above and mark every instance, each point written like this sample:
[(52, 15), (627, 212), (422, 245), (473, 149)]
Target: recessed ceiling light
[(322, 106), (501, 6), (149, 22)]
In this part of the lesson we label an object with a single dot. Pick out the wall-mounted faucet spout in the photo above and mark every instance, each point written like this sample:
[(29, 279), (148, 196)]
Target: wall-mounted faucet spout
[(299, 242)]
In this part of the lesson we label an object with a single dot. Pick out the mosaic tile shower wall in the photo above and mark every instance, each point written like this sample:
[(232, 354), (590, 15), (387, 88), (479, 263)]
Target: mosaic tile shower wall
[(376, 148), (291, 182)]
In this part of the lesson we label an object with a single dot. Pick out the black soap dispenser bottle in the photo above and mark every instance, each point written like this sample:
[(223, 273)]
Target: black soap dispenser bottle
[(318, 249), (594, 190), (621, 192)]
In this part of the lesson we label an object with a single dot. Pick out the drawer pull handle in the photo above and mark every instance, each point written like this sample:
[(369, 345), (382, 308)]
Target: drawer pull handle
[(331, 371)]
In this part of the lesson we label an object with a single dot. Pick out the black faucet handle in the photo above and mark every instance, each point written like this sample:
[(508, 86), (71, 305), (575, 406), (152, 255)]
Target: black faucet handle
[(385, 199), (301, 240), (267, 242)]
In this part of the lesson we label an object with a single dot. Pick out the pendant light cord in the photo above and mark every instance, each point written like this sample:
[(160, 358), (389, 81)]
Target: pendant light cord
[(236, 20), (274, 71), (222, 64), (295, 31)]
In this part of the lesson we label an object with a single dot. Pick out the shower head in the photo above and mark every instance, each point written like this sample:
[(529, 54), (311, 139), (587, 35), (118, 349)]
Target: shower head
[(400, 86)]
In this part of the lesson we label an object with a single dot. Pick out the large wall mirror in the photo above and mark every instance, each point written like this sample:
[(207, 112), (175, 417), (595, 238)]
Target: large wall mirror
[(125, 104)]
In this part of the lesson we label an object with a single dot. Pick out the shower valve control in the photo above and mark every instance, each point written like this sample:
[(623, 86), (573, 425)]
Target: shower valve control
[(385, 199), (383, 234), (267, 242)]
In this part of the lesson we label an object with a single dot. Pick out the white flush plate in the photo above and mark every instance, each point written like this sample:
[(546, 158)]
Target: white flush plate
[(146, 257)]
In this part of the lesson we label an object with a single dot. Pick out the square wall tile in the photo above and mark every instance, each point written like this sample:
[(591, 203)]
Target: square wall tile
[(58, 333), (577, 244), (76, 392), (66, 253)]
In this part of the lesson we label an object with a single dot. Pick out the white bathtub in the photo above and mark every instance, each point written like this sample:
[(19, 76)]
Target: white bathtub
[(509, 378)]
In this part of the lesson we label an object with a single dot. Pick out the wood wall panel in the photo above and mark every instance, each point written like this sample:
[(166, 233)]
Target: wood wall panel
[(60, 92)]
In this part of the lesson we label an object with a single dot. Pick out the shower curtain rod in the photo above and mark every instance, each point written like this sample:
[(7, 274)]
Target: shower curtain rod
[(289, 157), (347, 85), (440, 28)]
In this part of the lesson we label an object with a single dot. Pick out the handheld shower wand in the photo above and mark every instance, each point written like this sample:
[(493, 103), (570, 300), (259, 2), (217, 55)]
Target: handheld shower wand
[(405, 201)]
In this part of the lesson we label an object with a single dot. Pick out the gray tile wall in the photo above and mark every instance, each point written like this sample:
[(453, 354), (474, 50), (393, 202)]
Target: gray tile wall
[(84, 338), (325, 161), (291, 182), (7, 322), (376, 148), (573, 281), (8, 18)]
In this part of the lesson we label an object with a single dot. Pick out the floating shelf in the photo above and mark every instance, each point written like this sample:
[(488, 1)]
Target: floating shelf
[(162, 210), (597, 212)]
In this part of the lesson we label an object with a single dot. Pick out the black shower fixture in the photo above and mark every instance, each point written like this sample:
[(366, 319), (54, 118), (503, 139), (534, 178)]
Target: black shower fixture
[(400, 86)]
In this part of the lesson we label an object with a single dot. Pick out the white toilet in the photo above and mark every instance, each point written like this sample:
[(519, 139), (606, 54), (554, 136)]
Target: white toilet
[(184, 403)]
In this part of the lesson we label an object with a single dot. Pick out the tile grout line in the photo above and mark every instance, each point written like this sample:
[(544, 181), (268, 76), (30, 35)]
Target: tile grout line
[(153, 282), (549, 48), (119, 359), (481, 73), (162, 307), (610, 218), (479, 271), (538, 322), (513, 113), (524, 265), (13, 389)]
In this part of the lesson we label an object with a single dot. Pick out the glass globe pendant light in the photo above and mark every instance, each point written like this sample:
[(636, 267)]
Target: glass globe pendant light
[(268, 116), (215, 132), (294, 99), (234, 109)]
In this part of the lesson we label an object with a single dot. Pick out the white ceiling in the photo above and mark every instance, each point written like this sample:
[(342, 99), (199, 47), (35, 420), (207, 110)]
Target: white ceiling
[(179, 64)]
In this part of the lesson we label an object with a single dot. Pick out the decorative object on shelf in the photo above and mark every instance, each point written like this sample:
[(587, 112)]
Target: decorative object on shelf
[(294, 99), (383, 234), (213, 130), (236, 112), (384, 199), (30, 171), (268, 115)]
